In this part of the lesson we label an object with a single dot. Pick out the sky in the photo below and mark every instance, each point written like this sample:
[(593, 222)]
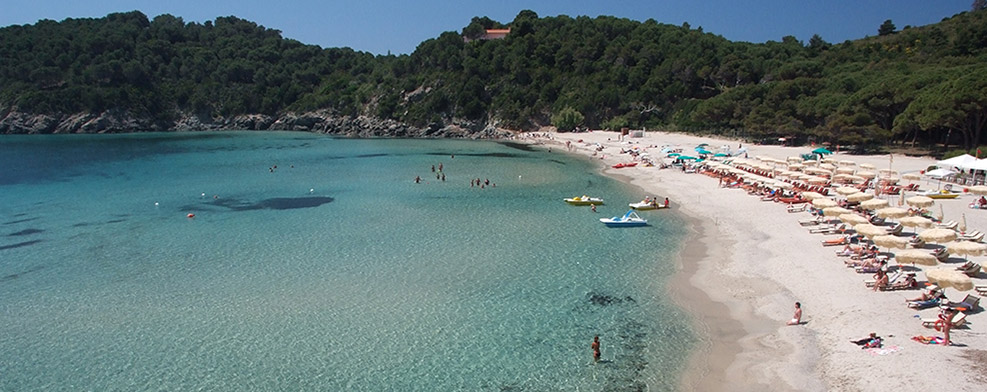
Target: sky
[(397, 27)]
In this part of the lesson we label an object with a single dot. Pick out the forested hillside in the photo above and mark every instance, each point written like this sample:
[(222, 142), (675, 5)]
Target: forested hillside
[(925, 84)]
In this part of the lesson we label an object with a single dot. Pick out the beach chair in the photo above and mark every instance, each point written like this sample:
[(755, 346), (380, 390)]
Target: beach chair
[(876, 220), (942, 255), (924, 304), (948, 225), (970, 302), (959, 318), (836, 241), (796, 208), (975, 236), (971, 270), (812, 221), (981, 288), (916, 243), (896, 229), (891, 281), (830, 229)]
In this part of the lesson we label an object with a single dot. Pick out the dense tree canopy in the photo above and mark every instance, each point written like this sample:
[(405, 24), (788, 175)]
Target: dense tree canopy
[(920, 83)]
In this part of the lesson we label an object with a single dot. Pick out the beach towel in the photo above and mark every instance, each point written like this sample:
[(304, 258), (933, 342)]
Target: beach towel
[(928, 339), (875, 351)]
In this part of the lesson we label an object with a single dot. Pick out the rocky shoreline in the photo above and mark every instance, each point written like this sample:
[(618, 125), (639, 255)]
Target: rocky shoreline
[(323, 121)]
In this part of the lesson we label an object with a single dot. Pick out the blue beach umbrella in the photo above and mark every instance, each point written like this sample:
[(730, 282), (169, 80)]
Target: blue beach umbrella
[(703, 151), (720, 154), (673, 155), (821, 151), (686, 157)]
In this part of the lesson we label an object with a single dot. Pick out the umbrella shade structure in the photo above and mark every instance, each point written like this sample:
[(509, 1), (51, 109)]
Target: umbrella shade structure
[(823, 203), (939, 236), (817, 180), (848, 163), (846, 190), (673, 155), (866, 166), (948, 277), (890, 241), (835, 211), (912, 176), (978, 190), (892, 213), (686, 157), (821, 151), (870, 231), (915, 256), (874, 204), (845, 170), (812, 195), (966, 248), (915, 221), (853, 219), (920, 201), (860, 197)]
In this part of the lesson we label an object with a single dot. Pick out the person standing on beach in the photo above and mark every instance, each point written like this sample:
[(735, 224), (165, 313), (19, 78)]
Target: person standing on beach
[(797, 318), (596, 348)]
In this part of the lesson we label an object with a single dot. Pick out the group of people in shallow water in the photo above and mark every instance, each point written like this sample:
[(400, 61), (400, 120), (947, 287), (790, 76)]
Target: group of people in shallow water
[(482, 184), (439, 175)]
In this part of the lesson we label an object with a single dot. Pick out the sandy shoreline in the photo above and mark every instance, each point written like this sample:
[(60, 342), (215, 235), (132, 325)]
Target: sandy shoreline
[(745, 262)]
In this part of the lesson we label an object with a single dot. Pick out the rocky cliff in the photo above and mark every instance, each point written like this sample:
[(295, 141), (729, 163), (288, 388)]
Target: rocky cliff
[(116, 121)]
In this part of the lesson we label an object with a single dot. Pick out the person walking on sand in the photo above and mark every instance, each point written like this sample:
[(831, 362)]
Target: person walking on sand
[(797, 318), (596, 348)]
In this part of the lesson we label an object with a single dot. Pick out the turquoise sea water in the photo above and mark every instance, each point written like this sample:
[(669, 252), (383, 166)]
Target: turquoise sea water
[(333, 272)]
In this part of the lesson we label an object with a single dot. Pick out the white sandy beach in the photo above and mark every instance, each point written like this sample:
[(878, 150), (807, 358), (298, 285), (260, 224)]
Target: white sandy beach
[(748, 261)]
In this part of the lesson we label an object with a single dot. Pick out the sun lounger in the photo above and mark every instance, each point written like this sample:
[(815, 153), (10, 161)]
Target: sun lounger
[(948, 225), (891, 281), (975, 236), (896, 230), (959, 318), (836, 241), (797, 208), (941, 256), (916, 243), (876, 220), (924, 304), (829, 229), (812, 221), (970, 302)]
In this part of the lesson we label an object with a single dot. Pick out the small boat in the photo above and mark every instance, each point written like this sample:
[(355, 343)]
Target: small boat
[(584, 201), (941, 194), (623, 165), (630, 219), (647, 205)]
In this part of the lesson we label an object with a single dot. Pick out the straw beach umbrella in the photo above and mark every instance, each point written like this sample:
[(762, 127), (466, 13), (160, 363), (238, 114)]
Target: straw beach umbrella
[(915, 256), (978, 190), (846, 190), (853, 219), (874, 204), (823, 203), (911, 176), (892, 213), (860, 196), (868, 230), (966, 248), (915, 221), (835, 211), (812, 195), (866, 166), (920, 201), (938, 236), (948, 277)]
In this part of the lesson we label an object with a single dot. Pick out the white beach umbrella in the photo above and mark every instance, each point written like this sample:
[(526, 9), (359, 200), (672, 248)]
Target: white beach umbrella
[(938, 236), (915, 256), (912, 176), (829, 160), (824, 203), (949, 277), (794, 160), (860, 196), (783, 185), (848, 163), (866, 166), (810, 163), (818, 180), (827, 166), (920, 201), (845, 170), (853, 219), (892, 213), (874, 204), (866, 174), (796, 166), (868, 230), (978, 190), (835, 211), (856, 179)]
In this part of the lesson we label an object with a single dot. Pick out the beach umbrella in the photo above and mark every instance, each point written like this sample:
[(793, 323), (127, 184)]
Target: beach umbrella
[(810, 163), (920, 201), (812, 195), (703, 151), (949, 277), (853, 219), (823, 203), (828, 160), (835, 211), (915, 221), (938, 236), (686, 157), (673, 155), (866, 166), (796, 166), (794, 159), (978, 190), (827, 166), (892, 213), (856, 179), (817, 180), (860, 196), (868, 230), (783, 185), (845, 170), (966, 248), (846, 190), (890, 241), (915, 256), (866, 174), (914, 177), (874, 204), (821, 151)]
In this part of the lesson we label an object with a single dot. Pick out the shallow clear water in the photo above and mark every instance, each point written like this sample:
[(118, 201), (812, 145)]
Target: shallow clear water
[(333, 272)]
